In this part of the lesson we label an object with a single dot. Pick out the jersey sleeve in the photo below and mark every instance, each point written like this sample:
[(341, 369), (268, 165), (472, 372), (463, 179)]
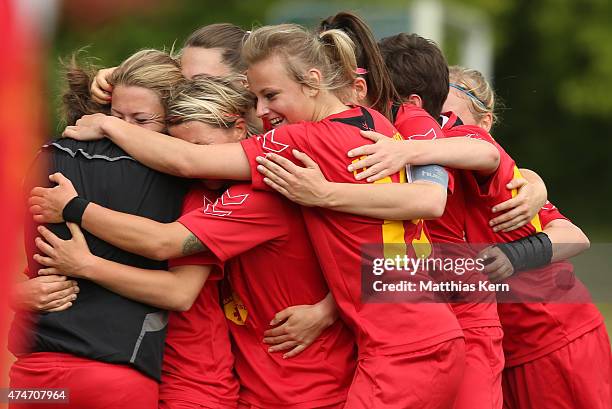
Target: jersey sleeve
[(281, 141), (239, 220), (550, 212), (198, 198)]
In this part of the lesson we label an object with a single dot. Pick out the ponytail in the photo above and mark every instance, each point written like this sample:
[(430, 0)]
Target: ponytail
[(381, 92)]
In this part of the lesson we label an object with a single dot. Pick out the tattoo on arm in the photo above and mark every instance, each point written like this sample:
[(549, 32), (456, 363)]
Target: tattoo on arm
[(192, 245)]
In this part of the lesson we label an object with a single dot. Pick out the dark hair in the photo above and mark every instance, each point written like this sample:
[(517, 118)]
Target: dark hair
[(76, 98), (225, 36), (381, 91), (417, 66)]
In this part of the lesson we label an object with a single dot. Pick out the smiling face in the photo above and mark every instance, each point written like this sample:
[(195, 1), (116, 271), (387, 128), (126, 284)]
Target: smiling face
[(198, 60), (138, 106), (280, 98)]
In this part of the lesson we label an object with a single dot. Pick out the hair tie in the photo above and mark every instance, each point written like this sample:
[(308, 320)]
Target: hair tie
[(469, 94), (361, 71)]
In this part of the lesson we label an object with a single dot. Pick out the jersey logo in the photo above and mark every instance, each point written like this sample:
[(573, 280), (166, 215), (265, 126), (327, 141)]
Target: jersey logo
[(429, 135), (226, 200), (548, 206), (234, 309), (269, 144)]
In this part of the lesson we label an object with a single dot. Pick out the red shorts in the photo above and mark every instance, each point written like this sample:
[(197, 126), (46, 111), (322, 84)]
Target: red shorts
[(425, 379), (481, 387), (244, 405), (90, 384), (576, 376)]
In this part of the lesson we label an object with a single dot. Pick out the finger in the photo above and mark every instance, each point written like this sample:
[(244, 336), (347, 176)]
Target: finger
[(371, 135), (38, 191), (278, 188), (35, 201), (513, 224), (283, 346), (305, 159), (370, 172), (45, 247), (277, 340), (275, 332), (71, 132), (281, 316), (58, 178), (58, 295), (284, 163), (268, 174), (61, 308), (77, 233), (510, 214), (39, 218), (361, 151), (52, 277), (49, 236), (295, 351), (493, 266), (37, 210), (45, 261), (516, 183), (275, 168), (364, 163)]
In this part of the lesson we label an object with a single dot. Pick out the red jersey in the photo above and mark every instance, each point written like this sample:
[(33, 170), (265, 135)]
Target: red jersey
[(198, 361), (271, 265), (340, 238), (531, 330), (450, 229)]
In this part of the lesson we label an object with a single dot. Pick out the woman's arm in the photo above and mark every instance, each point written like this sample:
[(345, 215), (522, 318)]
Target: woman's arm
[(522, 208), (566, 239), (387, 156), (163, 153), (171, 290), (307, 186), (135, 234), (299, 326)]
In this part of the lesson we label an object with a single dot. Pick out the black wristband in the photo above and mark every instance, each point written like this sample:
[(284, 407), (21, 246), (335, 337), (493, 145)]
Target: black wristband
[(529, 252), (74, 209)]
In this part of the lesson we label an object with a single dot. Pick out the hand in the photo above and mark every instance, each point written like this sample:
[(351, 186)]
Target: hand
[(519, 210), (303, 185), (47, 204), (88, 128), (100, 88), (50, 293), (384, 157), (70, 257), (301, 326), (500, 267)]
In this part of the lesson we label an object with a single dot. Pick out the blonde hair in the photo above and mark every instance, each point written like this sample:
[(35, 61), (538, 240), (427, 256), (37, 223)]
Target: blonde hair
[(216, 101), (151, 69), (331, 52), (478, 92)]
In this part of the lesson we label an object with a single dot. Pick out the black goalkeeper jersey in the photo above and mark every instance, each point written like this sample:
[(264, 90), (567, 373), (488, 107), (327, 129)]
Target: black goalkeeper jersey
[(101, 325)]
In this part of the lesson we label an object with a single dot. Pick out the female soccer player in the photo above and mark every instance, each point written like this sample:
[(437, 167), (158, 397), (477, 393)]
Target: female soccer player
[(424, 82), (557, 354), (297, 76), (103, 361)]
